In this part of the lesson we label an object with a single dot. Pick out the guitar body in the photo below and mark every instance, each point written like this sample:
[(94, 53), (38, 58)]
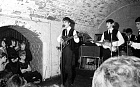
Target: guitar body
[(106, 45), (113, 48), (67, 38), (65, 41)]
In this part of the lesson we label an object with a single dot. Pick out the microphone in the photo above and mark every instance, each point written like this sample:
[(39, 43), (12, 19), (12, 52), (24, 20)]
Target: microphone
[(63, 26)]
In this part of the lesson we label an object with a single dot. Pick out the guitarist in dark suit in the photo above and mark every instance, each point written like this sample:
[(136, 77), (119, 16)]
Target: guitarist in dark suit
[(68, 38), (136, 44), (129, 37), (113, 38)]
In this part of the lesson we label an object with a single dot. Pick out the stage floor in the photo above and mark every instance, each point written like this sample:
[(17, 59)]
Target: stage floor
[(83, 79)]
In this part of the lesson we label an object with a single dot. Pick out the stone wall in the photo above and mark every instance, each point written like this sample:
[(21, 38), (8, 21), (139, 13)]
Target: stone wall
[(88, 13)]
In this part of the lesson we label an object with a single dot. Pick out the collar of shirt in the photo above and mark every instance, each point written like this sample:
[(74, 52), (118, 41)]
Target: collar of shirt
[(110, 30)]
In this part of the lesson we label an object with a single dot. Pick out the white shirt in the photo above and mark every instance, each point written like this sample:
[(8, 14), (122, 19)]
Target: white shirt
[(115, 43), (110, 30), (76, 38), (135, 45)]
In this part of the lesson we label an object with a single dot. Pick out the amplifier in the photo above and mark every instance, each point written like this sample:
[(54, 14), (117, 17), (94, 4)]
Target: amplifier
[(89, 51)]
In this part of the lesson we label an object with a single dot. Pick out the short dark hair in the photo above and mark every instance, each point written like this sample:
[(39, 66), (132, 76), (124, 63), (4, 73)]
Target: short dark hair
[(138, 19), (110, 20), (67, 19), (3, 54), (116, 25), (129, 30), (22, 42), (10, 41)]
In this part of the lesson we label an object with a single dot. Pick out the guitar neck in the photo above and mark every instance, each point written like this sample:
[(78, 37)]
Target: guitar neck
[(69, 38)]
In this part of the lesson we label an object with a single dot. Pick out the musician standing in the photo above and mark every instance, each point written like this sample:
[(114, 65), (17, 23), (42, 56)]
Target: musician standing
[(114, 38), (136, 44), (67, 51), (129, 37)]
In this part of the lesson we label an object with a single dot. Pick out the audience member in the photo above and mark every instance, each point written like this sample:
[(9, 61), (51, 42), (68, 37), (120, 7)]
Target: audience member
[(4, 74), (18, 81), (119, 71), (27, 50), (3, 47), (17, 45), (26, 71), (13, 65), (12, 53)]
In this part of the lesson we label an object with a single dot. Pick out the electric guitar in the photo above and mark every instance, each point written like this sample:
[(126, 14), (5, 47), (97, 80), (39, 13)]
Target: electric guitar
[(67, 38), (105, 44)]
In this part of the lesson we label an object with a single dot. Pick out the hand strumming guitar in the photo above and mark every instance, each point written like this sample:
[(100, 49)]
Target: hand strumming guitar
[(107, 43)]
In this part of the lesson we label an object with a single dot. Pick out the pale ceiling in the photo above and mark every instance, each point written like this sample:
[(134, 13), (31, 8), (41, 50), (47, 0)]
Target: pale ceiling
[(86, 12)]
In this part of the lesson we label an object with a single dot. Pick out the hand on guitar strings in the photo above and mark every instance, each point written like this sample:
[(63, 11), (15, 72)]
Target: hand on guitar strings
[(107, 44)]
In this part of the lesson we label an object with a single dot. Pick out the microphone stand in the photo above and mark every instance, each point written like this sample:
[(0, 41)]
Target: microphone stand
[(111, 43), (61, 64), (127, 45), (61, 59)]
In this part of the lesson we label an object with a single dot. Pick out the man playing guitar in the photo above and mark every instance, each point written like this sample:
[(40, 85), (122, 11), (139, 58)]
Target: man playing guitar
[(136, 44), (68, 38), (111, 39)]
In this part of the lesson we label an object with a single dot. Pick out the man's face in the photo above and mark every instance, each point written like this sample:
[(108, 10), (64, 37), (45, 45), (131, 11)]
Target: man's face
[(128, 34), (4, 58), (3, 44), (23, 57), (138, 25), (66, 24), (109, 25), (23, 46), (13, 43)]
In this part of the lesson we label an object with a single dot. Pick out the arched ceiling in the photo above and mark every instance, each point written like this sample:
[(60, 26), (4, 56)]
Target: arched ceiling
[(31, 36), (85, 12)]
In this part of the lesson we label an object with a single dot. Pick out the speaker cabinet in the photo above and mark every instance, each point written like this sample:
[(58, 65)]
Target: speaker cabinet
[(89, 51)]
